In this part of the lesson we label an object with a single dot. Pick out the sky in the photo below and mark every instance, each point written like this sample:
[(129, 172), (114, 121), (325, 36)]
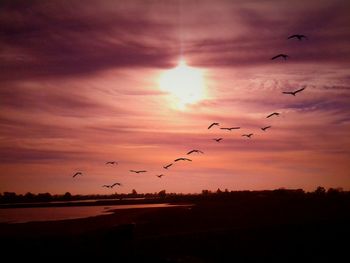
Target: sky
[(139, 82)]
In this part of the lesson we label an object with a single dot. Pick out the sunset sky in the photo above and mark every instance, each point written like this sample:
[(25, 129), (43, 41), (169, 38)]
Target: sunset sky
[(139, 82)]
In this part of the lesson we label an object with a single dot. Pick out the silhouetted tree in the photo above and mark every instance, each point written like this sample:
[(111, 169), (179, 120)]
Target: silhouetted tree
[(67, 196), (320, 190), (162, 194), (206, 192), (9, 197), (44, 197), (29, 196), (334, 191)]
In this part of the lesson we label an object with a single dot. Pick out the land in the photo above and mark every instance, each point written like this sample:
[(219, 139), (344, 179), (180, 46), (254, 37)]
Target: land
[(264, 226)]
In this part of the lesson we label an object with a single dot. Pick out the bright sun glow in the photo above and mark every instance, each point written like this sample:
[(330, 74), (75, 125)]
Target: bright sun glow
[(184, 83)]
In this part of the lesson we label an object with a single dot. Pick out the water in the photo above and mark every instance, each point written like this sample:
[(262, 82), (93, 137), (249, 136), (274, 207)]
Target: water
[(23, 215)]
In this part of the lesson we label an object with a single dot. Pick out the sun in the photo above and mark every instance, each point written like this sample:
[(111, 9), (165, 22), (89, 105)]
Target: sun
[(185, 84)]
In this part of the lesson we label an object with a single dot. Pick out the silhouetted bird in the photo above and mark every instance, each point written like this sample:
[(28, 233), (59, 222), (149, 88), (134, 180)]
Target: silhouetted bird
[(195, 151), (275, 113), (265, 128), (293, 92), (300, 37), (78, 173), (217, 139), (182, 159), (112, 162), (231, 128), (248, 135), (280, 55), (160, 175), (214, 123), (140, 171), (167, 166), (111, 186)]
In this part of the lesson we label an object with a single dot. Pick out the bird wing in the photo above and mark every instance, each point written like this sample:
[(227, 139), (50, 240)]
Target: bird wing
[(178, 159), (292, 36), (276, 56), (211, 125), (299, 90), (77, 174), (191, 151), (275, 113), (287, 92), (186, 159)]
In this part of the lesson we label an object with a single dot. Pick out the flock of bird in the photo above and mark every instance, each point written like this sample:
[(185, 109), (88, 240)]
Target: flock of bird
[(249, 135)]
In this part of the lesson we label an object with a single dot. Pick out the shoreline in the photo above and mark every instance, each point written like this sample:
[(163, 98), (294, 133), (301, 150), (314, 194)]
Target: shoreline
[(210, 231)]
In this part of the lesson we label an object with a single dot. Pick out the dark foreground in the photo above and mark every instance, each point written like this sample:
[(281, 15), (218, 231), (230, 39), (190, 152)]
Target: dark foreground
[(248, 228)]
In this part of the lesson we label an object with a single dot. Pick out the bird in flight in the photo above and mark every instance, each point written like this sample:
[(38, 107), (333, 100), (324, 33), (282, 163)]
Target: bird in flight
[(112, 185), (195, 151), (230, 128), (217, 139), (293, 92), (160, 175), (280, 55), (248, 135), (139, 171), (183, 159), (214, 123), (275, 113), (265, 128), (77, 173), (300, 37), (167, 166), (112, 162)]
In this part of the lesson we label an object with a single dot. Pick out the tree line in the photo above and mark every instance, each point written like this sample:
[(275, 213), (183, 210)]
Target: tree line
[(12, 197)]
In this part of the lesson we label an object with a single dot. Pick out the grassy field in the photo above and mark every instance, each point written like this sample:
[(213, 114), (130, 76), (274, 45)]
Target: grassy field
[(218, 228)]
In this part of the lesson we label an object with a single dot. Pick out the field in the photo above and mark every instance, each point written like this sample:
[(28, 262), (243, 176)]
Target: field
[(241, 227)]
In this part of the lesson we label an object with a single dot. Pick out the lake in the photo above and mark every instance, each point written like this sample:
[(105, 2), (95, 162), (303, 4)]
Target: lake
[(23, 215)]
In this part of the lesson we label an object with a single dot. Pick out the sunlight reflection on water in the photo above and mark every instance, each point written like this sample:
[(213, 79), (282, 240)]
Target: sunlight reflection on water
[(22, 215)]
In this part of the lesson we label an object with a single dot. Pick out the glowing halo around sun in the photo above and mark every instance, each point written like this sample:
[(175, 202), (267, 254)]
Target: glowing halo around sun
[(185, 85)]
